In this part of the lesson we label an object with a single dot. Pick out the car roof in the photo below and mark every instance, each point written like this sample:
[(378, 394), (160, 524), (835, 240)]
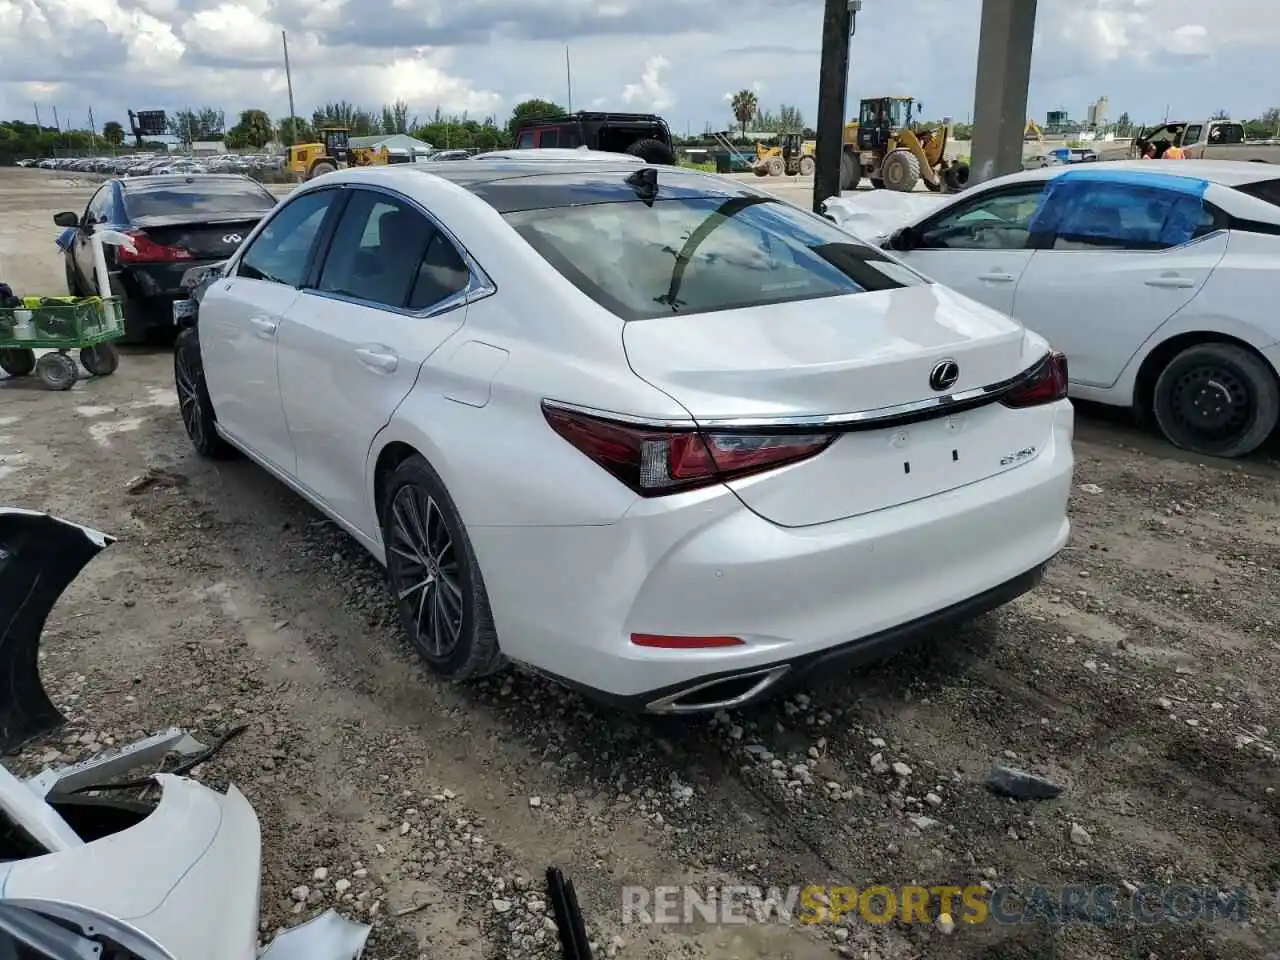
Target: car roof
[(509, 185), (1226, 173), (568, 154), (166, 179)]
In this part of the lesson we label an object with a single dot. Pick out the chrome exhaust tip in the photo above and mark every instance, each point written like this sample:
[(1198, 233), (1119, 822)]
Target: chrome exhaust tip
[(726, 693)]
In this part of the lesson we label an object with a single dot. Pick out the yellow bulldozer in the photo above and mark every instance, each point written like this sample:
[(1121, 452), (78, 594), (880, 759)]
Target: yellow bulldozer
[(333, 151), (790, 156), (887, 146)]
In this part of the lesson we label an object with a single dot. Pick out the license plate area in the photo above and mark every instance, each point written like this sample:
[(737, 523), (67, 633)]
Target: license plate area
[(184, 311)]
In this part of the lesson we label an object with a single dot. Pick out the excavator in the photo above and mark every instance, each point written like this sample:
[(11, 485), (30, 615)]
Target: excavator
[(791, 156), (333, 151), (885, 145)]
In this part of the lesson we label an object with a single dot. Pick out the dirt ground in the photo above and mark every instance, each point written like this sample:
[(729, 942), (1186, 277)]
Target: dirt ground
[(1142, 676)]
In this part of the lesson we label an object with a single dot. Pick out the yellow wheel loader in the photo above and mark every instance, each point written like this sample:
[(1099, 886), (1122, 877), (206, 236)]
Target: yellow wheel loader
[(885, 146), (791, 156), (310, 160)]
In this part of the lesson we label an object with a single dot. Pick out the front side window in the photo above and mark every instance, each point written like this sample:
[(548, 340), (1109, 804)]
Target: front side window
[(696, 255), (1266, 190), (378, 250), (1093, 214), (279, 254), (1192, 134), (549, 137), (525, 141), (99, 208), (998, 222)]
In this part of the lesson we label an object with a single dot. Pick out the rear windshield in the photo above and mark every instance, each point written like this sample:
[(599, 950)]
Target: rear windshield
[(699, 255), (201, 197), (1268, 190)]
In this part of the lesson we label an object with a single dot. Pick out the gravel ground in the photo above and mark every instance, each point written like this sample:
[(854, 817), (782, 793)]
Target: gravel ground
[(1141, 677)]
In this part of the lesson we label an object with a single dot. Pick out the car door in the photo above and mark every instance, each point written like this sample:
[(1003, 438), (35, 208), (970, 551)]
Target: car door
[(240, 320), (98, 212), (1116, 260), (390, 290), (979, 246)]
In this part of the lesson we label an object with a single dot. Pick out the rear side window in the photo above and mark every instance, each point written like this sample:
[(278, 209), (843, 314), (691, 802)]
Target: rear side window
[(204, 196), (525, 141), (550, 137), (1082, 214), (1266, 190), (698, 255)]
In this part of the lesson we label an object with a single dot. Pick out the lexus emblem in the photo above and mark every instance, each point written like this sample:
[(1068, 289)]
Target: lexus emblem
[(944, 375), (232, 238)]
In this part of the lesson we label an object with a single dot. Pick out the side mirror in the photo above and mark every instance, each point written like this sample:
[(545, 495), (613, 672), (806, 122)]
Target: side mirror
[(904, 239), (66, 219)]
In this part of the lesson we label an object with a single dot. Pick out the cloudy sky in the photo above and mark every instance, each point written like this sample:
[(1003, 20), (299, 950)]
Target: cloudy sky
[(679, 57)]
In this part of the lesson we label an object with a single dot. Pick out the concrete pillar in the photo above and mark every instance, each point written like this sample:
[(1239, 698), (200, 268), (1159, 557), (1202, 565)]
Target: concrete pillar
[(1000, 100)]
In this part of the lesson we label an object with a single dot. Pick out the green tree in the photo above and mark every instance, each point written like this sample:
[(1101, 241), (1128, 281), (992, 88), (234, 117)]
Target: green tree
[(461, 133), (1124, 126), (113, 133), (745, 106), (1221, 114), (207, 123), (395, 117), (296, 130), (253, 130), (531, 110), (790, 119), (358, 121)]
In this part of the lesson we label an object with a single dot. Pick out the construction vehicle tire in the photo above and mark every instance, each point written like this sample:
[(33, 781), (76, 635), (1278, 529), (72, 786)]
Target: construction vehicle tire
[(850, 171), (320, 169), (957, 176), (806, 166), (652, 151), (776, 167), (934, 186), (900, 170), (760, 170)]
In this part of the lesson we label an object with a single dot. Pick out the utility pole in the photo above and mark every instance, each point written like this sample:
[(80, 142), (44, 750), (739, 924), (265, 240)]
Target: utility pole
[(56, 122), (568, 77), (839, 20), (93, 130), (288, 79), (38, 126)]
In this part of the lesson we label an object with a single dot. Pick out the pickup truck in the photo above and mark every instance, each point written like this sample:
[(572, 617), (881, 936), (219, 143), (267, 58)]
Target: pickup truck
[(1209, 140)]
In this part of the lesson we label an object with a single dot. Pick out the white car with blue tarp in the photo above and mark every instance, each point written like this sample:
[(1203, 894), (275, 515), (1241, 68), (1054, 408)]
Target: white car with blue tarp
[(1157, 279)]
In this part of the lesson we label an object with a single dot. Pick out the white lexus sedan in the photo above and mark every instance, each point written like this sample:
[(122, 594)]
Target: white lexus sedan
[(649, 431), (1158, 280)]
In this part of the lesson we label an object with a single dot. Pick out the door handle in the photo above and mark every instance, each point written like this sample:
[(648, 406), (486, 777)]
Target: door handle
[(379, 358), (265, 326), (997, 277), (1170, 280)]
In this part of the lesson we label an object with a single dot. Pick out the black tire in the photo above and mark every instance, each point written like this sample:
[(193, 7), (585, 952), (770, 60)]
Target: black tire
[(102, 360), (57, 371), (935, 187), (652, 151), (807, 166), (877, 183), (428, 548), (850, 171), (900, 170), (17, 361), (1217, 399), (320, 169), (776, 166), (194, 405), (957, 176)]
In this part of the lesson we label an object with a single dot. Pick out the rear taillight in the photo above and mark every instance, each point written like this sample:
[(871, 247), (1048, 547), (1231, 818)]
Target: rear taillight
[(146, 250), (656, 460), (1047, 383)]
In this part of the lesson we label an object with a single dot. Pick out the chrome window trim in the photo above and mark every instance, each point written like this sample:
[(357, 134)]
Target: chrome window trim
[(856, 418)]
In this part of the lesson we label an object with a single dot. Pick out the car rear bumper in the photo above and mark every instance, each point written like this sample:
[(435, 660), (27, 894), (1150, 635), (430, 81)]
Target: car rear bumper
[(151, 288), (567, 600)]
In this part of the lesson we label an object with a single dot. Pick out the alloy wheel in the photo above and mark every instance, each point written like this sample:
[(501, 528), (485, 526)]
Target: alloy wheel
[(425, 572), (188, 398)]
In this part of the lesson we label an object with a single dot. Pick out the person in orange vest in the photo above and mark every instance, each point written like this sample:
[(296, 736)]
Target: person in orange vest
[(1174, 152)]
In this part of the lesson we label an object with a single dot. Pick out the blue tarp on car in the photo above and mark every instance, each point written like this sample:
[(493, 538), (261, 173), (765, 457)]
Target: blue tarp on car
[(1124, 207)]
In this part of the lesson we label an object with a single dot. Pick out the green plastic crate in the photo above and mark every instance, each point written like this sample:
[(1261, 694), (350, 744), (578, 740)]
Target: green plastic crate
[(61, 323)]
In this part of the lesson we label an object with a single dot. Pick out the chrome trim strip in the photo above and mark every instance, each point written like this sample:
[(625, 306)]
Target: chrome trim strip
[(768, 677), (854, 418)]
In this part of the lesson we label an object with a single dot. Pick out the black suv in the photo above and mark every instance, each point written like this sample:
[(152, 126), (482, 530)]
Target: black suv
[(642, 135)]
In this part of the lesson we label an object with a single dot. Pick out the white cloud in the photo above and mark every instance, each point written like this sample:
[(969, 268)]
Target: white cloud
[(651, 92), (487, 55)]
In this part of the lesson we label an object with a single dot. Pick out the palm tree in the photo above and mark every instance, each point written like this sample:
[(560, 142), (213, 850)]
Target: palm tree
[(744, 105)]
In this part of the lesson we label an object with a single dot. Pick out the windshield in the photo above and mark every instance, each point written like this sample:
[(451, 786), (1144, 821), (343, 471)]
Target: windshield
[(698, 255), (206, 196)]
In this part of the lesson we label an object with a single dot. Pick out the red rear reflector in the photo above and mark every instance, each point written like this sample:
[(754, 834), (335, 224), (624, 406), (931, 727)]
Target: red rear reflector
[(683, 643), (1047, 383)]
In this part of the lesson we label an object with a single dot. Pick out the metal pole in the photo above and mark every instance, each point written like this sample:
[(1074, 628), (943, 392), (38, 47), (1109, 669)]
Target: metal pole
[(39, 127), (93, 130), (833, 80), (56, 122), (288, 79), (568, 76)]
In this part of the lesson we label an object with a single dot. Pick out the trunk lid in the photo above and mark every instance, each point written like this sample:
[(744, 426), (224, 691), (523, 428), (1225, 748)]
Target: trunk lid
[(206, 239), (845, 355)]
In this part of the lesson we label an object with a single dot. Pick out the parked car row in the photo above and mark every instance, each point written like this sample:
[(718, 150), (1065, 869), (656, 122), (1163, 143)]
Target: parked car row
[(145, 164)]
